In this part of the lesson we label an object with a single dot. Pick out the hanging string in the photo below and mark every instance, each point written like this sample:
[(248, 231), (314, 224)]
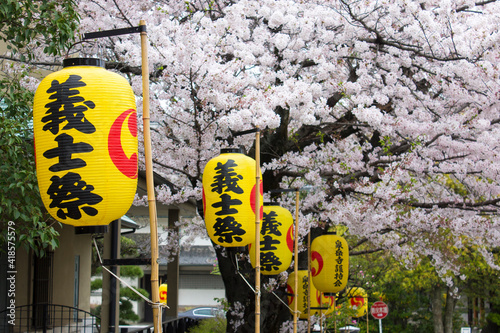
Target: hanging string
[(251, 287), (80, 43), (87, 49), (158, 305), (279, 298), (238, 270), (236, 265)]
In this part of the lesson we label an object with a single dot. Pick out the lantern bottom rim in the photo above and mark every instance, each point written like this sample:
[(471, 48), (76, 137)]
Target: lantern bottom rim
[(91, 229)]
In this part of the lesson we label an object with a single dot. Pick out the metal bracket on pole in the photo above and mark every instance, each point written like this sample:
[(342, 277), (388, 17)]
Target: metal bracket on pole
[(126, 261), (283, 190), (253, 130), (114, 32)]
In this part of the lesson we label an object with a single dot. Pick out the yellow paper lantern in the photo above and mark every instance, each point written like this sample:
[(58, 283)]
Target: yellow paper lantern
[(229, 198), (314, 300), (329, 263), (327, 302), (357, 299), (163, 293), (85, 128), (276, 241)]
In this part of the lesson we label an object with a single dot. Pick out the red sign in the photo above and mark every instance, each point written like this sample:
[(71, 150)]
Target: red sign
[(379, 310)]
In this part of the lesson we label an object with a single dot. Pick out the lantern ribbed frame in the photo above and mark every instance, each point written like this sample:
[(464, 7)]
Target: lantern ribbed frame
[(229, 186), (88, 114), (284, 250), (163, 290), (357, 295), (330, 263), (316, 298)]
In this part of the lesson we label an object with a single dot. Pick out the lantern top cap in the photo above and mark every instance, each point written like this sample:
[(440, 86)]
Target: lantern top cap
[(69, 62), (231, 151)]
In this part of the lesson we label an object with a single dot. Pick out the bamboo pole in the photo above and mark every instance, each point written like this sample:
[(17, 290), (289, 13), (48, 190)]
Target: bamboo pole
[(335, 313), (149, 182), (367, 324), (309, 282), (296, 262), (257, 231), (321, 313)]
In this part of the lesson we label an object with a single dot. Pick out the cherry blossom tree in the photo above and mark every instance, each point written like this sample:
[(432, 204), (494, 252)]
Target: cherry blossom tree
[(387, 109)]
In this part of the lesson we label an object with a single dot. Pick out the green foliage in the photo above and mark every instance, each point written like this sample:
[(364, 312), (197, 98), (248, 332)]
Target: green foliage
[(25, 25), (408, 300), (19, 194), (127, 295), (28, 24), (405, 291), (223, 303), (482, 280), (128, 249), (96, 311), (456, 186), (131, 295), (215, 269), (213, 325), (342, 316), (210, 325), (127, 315), (96, 284), (494, 318), (386, 144), (131, 271)]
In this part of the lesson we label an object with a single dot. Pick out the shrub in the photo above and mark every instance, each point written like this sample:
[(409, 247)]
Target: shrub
[(211, 325)]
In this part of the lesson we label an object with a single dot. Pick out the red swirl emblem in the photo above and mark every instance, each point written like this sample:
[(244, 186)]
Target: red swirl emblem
[(252, 199), (357, 301), (291, 294), (126, 165), (315, 256), (289, 239)]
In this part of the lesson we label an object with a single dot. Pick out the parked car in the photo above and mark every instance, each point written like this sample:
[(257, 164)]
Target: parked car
[(346, 329), (202, 313)]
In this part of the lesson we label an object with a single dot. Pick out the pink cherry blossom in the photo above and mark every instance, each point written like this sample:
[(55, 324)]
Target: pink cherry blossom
[(390, 112)]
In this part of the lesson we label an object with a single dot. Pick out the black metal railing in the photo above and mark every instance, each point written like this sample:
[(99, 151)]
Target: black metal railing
[(176, 325), (52, 318), (47, 318)]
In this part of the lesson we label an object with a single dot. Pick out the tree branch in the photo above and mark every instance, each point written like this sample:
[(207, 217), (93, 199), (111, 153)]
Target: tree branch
[(481, 3), (451, 204)]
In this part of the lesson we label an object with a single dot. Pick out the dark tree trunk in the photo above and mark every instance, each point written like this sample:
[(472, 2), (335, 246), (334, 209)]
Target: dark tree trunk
[(437, 309), (241, 297), (273, 309), (448, 311)]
